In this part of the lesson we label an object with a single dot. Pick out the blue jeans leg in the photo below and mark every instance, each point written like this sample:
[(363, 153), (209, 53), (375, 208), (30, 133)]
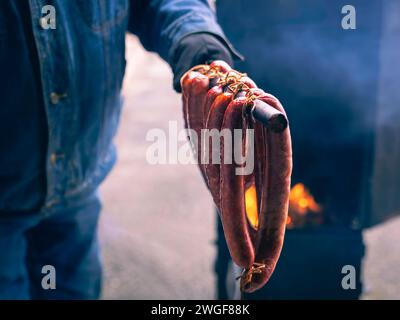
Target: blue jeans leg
[(67, 240), (14, 280)]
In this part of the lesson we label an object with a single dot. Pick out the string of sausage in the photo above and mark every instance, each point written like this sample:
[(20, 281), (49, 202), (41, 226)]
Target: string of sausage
[(211, 100)]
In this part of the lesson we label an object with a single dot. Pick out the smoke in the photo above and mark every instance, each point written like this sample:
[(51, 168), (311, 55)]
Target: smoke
[(389, 75)]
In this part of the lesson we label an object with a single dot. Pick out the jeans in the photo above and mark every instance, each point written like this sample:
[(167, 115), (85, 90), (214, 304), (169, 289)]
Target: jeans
[(64, 237)]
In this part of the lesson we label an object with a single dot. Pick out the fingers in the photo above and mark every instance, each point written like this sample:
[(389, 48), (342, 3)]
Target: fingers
[(249, 82), (221, 65)]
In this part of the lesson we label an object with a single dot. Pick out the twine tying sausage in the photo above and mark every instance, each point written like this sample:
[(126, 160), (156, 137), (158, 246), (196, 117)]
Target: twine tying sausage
[(231, 80), (247, 274)]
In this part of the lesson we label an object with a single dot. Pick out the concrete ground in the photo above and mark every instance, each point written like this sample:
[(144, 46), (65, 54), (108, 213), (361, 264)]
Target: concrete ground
[(157, 228), (382, 262)]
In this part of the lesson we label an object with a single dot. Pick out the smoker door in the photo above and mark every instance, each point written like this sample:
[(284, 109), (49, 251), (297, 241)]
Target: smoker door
[(334, 84)]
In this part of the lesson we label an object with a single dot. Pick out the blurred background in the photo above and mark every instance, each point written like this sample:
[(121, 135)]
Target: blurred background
[(158, 228)]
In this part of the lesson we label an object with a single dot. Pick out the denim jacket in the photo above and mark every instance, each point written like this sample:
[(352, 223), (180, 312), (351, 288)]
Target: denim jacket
[(82, 64)]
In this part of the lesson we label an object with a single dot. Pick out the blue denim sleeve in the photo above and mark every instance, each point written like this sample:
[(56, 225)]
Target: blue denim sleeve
[(160, 24)]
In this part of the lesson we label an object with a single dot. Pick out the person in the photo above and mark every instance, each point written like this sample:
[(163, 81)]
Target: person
[(60, 105)]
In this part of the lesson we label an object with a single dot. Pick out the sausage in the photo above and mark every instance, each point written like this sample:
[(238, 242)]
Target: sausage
[(214, 119), (219, 100), (274, 200), (195, 85), (214, 122), (232, 204)]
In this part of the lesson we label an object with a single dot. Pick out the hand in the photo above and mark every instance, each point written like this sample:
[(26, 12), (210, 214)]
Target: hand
[(198, 48)]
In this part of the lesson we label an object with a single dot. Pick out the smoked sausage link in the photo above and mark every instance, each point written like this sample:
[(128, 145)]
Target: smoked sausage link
[(220, 99)]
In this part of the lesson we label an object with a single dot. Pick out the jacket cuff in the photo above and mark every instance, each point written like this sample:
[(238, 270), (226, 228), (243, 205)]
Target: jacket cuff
[(198, 24)]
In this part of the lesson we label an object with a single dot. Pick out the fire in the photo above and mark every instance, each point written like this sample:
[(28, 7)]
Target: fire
[(301, 201), (302, 207), (251, 206)]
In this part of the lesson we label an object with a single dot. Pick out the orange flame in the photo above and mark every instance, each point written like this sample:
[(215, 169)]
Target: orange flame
[(301, 200), (251, 206)]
